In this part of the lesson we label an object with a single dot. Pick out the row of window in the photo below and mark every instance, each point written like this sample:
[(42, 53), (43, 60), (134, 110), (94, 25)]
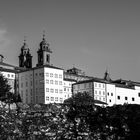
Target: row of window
[(54, 90), (54, 99), (53, 82), (54, 75), (10, 75), (99, 92), (126, 98), (99, 85), (99, 98)]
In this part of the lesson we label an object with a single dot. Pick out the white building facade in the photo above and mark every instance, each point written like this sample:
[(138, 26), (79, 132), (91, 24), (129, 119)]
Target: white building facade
[(41, 85), (110, 92)]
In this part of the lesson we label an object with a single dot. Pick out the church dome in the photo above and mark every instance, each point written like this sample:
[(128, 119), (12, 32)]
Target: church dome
[(44, 43), (25, 46)]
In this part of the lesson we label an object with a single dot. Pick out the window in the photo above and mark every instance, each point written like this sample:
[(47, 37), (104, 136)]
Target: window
[(60, 75), (47, 81), (26, 84), (61, 100), (110, 101), (47, 98), (60, 91), (56, 82), (103, 93), (51, 90), (139, 94), (31, 83), (108, 93), (111, 94), (47, 89), (99, 92), (51, 74), (56, 75), (133, 99), (64, 89), (8, 75), (60, 82), (95, 84), (56, 90), (56, 98), (99, 85), (52, 98), (126, 98), (118, 97), (51, 81), (47, 74), (95, 91)]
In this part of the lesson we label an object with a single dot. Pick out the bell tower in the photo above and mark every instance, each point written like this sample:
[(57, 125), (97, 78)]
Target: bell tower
[(25, 58), (44, 52)]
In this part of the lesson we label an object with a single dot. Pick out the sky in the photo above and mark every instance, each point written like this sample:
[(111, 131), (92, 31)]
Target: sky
[(92, 35)]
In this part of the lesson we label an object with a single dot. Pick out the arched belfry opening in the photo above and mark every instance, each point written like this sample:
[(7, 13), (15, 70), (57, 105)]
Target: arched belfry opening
[(25, 57), (44, 52)]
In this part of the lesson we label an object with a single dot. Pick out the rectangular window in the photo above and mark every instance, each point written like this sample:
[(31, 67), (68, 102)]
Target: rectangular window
[(51, 74), (118, 97), (52, 98), (31, 83), (139, 94), (56, 82), (95, 84), (61, 100), (111, 94), (56, 90), (56, 98), (56, 75), (95, 91), (26, 84), (47, 74), (47, 98), (99, 92), (51, 90), (60, 91), (110, 101), (51, 82), (47, 81), (126, 98), (60, 82), (99, 85), (47, 89), (60, 75), (103, 93), (133, 99), (64, 89)]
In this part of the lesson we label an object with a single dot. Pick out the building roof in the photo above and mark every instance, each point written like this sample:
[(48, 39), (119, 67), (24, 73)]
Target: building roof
[(94, 79), (38, 67), (7, 70), (71, 80)]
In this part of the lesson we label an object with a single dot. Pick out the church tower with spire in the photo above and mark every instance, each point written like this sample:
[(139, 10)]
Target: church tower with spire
[(44, 52), (25, 57)]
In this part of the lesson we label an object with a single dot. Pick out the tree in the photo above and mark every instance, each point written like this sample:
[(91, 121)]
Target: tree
[(4, 88)]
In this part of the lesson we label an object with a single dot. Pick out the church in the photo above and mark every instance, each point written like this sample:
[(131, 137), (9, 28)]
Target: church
[(46, 83)]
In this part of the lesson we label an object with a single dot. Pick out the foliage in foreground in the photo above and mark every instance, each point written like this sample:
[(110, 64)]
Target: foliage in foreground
[(63, 122)]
